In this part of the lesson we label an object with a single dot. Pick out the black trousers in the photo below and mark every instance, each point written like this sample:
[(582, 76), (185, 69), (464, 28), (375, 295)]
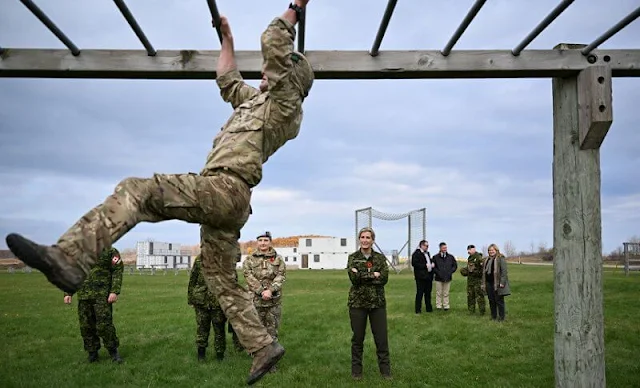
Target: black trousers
[(496, 303), (378, 319), (423, 289)]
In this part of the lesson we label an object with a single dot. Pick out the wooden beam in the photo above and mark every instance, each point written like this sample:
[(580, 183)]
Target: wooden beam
[(577, 241), (193, 64), (596, 106)]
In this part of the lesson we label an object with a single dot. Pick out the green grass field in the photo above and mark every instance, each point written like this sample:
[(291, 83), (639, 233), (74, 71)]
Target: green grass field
[(41, 345)]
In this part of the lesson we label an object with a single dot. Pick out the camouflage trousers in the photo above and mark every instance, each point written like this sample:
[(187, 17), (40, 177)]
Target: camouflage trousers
[(218, 202), (475, 295), (96, 321), (205, 319), (270, 318)]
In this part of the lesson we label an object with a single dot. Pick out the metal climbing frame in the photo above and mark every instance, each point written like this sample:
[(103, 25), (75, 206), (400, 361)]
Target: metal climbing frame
[(373, 64), (582, 115)]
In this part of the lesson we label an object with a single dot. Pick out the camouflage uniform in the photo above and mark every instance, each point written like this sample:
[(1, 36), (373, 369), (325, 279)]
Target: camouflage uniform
[(474, 283), (95, 313), (217, 199), (367, 300), (208, 313), (266, 271)]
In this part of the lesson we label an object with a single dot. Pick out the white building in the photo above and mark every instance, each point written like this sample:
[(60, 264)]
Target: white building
[(155, 254), (316, 253), (324, 252)]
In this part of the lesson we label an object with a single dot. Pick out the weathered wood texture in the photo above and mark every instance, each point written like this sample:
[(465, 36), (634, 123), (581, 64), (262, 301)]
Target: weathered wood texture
[(186, 64), (577, 241), (595, 104)]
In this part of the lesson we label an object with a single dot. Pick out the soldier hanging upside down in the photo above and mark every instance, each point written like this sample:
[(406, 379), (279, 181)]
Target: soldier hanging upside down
[(218, 198)]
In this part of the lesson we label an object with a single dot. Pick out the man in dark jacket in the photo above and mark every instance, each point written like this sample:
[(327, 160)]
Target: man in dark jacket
[(423, 273), (445, 266)]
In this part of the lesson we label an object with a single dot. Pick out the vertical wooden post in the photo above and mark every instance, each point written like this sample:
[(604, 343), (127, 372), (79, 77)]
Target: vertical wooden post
[(577, 241)]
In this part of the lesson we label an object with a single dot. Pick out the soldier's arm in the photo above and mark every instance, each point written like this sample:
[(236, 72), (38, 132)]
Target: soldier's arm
[(280, 278), (252, 282), (193, 281), (384, 273), (233, 89), (116, 278), (355, 277), (277, 46)]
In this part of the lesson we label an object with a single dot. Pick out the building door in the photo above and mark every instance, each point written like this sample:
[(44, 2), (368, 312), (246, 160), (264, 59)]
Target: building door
[(305, 261)]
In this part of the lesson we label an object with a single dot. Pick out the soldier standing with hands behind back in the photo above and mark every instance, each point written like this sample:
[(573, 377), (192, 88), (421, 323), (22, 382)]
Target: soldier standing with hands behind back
[(95, 305), (473, 272), (265, 273), (208, 313)]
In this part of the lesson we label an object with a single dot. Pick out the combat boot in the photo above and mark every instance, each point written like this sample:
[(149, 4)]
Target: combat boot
[(50, 260), (202, 353), (93, 357), (263, 360), (115, 356)]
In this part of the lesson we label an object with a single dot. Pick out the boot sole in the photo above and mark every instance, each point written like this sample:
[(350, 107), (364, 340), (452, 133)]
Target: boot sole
[(272, 362), (24, 250)]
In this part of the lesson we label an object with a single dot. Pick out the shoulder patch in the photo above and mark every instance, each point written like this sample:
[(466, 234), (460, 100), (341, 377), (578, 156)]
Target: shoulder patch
[(115, 260)]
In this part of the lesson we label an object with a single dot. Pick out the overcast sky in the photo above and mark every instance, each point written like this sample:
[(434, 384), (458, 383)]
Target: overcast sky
[(476, 153)]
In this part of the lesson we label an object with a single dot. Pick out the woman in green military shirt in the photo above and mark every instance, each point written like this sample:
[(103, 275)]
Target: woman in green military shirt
[(369, 272)]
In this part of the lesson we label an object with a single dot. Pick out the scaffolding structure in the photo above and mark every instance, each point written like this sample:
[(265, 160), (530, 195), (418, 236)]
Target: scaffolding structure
[(582, 110)]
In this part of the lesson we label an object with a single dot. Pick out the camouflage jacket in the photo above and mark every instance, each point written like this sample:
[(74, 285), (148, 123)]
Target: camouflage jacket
[(265, 271), (366, 290), (261, 122), (103, 279), (198, 293), (474, 264)]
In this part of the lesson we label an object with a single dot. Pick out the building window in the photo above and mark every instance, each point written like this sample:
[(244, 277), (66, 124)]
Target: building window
[(308, 242), (150, 248), (343, 242), (295, 250), (286, 258), (295, 259), (316, 258), (170, 245), (166, 260)]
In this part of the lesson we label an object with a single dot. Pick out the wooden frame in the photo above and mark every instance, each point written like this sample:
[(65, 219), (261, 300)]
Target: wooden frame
[(582, 112), (193, 64)]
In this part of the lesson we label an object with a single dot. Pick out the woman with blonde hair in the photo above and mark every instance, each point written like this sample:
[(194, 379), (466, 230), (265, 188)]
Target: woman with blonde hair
[(495, 281)]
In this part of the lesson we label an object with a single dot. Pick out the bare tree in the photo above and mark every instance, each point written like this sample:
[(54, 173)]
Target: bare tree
[(533, 247), (484, 249), (509, 249), (542, 247)]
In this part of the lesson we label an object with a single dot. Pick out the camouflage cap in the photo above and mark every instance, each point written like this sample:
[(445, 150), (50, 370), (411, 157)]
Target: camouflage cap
[(303, 75)]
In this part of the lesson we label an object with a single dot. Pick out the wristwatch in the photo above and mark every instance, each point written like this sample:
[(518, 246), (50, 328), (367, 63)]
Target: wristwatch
[(298, 10)]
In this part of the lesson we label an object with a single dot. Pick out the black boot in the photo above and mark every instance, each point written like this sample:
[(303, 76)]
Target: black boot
[(115, 356), (202, 353), (93, 356)]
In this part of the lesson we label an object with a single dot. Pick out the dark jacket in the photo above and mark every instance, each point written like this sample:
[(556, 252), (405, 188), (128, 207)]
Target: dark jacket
[(445, 267), (419, 263)]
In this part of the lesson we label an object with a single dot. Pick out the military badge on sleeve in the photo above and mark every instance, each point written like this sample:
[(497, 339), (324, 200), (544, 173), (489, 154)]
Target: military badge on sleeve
[(115, 260)]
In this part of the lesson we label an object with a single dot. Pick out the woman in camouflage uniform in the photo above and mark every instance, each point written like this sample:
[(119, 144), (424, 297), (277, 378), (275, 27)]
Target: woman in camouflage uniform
[(369, 272), (265, 272), (208, 313)]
